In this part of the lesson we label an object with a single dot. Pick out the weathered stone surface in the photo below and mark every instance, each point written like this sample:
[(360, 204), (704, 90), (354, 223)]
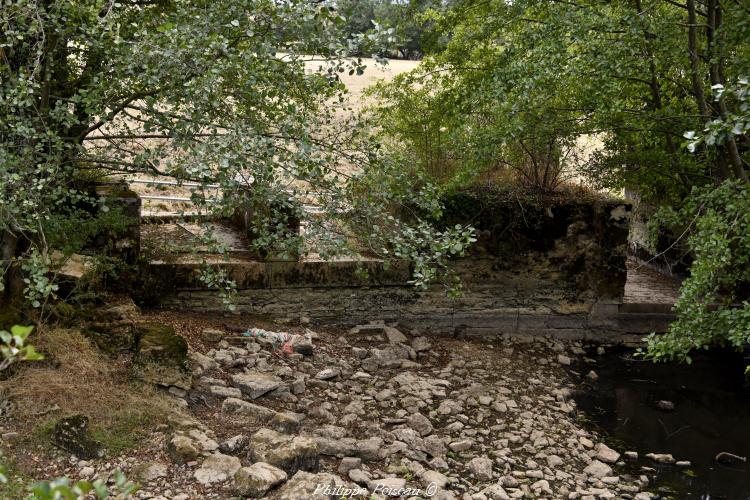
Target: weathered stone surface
[(72, 435), (217, 468), (255, 481), (388, 486), (211, 335), (149, 471), (254, 384), (419, 423), (305, 485), (238, 406), (234, 445), (662, 458), (290, 453), (181, 449), (481, 468), (162, 356), (606, 454), (598, 469)]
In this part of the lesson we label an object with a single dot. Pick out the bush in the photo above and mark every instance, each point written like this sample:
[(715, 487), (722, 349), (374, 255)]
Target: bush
[(713, 308)]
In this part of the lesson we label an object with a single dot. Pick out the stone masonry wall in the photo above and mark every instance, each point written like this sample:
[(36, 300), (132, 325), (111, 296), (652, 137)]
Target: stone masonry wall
[(568, 282)]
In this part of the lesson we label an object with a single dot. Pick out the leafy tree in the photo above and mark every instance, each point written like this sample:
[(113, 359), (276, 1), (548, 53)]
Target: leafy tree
[(242, 93), (410, 23), (661, 84), (633, 75)]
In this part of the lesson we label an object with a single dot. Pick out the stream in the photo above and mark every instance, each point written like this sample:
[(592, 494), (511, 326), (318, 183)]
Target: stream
[(711, 415)]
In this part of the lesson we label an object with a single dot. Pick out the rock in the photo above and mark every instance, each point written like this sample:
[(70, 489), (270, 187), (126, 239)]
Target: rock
[(665, 405), (598, 469), (328, 374), (298, 386), (211, 335), (631, 455), (255, 481), (563, 360), (349, 463), (313, 486), (240, 407), (495, 492), (421, 344), (203, 441), (384, 395), (254, 384), (683, 463), (592, 375), (87, 472), (481, 468), (394, 336), (388, 486), (606, 454), (234, 445), (162, 356), (204, 362), (147, 472), (225, 392), (302, 344), (181, 449), (586, 442), (287, 422), (434, 446), (217, 468), (72, 435), (462, 445), (369, 449), (419, 423), (429, 477), (359, 476), (661, 458), (336, 446), (290, 453)]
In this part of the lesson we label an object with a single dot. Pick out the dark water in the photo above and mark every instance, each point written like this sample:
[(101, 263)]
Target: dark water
[(711, 415)]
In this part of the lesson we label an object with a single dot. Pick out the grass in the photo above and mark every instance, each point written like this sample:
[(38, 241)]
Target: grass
[(76, 378), (16, 484)]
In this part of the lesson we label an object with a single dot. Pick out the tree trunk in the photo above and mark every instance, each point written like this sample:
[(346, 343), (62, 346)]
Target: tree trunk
[(717, 78), (10, 274)]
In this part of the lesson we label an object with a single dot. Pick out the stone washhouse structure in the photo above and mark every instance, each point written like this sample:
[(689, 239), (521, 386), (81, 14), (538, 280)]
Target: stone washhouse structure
[(558, 269)]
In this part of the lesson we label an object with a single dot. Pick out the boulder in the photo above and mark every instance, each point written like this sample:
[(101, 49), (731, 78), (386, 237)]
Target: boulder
[(181, 449), (217, 468), (254, 384), (322, 486), (255, 481), (149, 471), (481, 468), (598, 469), (290, 453), (606, 454)]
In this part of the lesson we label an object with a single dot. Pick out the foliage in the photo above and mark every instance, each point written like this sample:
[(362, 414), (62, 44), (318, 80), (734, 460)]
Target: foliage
[(718, 131), (221, 93), (62, 488), (714, 303), (530, 74), (13, 346), (410, 23)]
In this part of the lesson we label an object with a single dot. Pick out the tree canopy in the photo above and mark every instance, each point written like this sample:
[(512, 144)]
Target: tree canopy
[(213, 92)]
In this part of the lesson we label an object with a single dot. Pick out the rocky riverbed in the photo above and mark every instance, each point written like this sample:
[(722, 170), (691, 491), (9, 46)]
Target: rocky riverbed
[(375, 411)]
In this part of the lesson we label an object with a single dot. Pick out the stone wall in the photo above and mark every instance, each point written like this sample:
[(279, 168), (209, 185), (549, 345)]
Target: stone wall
[(563, 274)]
